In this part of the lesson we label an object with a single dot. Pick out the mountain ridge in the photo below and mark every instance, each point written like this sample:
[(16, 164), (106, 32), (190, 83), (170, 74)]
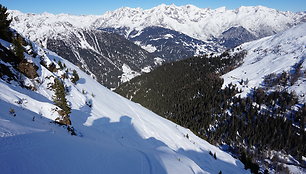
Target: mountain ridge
[(100, 54), (211, 31), (206, 22), (137, 18)]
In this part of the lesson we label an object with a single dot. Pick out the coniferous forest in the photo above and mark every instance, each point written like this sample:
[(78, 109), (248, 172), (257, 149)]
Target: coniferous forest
[(190, 93)]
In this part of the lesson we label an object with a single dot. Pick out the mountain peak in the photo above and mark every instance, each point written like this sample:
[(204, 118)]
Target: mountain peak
[(206, 23), (220, 9)]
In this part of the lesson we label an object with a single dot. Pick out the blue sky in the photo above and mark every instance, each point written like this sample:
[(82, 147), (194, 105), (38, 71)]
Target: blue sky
[(97, 7)]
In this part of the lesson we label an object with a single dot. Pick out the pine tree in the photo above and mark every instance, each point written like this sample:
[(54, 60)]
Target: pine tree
[(75, 77), (60, 100), (60, 96), (60, 65), (18, 49), (4, 24)]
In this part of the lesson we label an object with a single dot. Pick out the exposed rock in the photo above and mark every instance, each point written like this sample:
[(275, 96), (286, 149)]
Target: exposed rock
[(235, 36), (28, 69), (63, 120)]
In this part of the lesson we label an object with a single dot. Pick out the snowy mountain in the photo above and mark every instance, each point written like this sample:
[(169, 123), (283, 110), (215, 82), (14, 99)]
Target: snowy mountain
[(166, 32), (202, 24), (228, 28), (235, 36), (112, 134), (101, 54), (271, 56), (167, 44)]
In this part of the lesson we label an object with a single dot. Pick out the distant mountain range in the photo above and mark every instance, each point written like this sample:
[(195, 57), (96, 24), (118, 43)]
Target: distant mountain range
[(162, 34)]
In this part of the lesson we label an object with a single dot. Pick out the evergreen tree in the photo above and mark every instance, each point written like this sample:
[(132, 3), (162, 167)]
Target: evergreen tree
[(4, 24), (60, 100), (75, 77), (60, 65), (18, 49), (60, 96)]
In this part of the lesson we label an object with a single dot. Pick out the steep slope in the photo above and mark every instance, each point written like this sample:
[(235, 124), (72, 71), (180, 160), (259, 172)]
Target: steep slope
[(168, 44), (40, 27), (283, 52), (101, 54), (202, 24), (235, 36), (113, 134)]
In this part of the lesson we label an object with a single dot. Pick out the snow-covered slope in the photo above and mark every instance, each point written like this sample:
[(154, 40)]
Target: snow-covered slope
[(37, 26), (114, 135), (201, 23), (274, 54)]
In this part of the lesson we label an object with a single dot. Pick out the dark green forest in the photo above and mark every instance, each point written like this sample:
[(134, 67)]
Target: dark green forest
[(189, 92)]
